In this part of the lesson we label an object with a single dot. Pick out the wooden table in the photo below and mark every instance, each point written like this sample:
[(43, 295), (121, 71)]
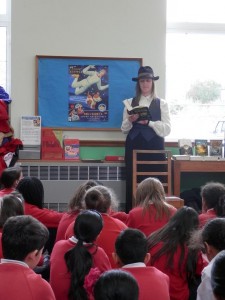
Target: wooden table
[(180, 166)]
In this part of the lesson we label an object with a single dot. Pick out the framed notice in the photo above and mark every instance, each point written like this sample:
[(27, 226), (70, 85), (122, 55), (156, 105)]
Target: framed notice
[(80, 93), (31, 130)]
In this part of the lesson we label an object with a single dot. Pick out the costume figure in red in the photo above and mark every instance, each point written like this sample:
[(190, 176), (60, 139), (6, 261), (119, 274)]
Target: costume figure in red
[(8, 145)]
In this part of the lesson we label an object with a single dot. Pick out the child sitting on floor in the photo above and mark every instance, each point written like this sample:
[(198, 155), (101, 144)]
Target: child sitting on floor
[(23, 240), (132, 255)]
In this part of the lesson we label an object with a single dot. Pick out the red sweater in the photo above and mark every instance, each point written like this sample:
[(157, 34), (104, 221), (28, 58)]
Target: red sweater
[(205, 217), (178, 281), (6, 191), (153, 284), (121, 215), (64, 223), (111, 229), (146, 222), (1, 254), (50, 218), (20, 282), (59, 275)]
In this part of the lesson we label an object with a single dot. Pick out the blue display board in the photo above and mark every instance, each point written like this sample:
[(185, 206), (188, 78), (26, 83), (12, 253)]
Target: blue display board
[(80, 93)]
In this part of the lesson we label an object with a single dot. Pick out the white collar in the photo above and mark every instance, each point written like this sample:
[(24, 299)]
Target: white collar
[(135, 265), (12, 261)]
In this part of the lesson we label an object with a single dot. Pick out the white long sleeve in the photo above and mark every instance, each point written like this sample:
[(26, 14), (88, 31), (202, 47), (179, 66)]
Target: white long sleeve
[(162, 128), (204, 291)]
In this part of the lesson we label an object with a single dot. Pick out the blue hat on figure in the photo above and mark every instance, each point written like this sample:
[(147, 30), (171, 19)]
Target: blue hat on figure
[(4, 96)]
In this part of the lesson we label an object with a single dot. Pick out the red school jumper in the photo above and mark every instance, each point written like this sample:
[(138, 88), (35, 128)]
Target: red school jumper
[(106, 239), (64, 223), (50, 218), (20, 282), (6, 191), (146, 222), (153, 284), (178, 281), (59, 275), (207, 216)]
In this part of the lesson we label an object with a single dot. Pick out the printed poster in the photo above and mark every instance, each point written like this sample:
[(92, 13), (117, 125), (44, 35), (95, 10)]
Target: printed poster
[(88, 93), (31, 130)]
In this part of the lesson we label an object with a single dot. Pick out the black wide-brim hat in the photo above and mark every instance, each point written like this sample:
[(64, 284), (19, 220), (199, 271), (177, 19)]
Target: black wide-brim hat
[(145, 72)]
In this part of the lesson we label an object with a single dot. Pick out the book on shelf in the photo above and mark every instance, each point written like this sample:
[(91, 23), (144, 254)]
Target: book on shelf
[(71, 149), (215, 147), (185, 147), (201, 147), (142, 111)]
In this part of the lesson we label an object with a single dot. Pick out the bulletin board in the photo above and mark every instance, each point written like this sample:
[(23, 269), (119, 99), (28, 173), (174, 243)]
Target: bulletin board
[(80, 93)]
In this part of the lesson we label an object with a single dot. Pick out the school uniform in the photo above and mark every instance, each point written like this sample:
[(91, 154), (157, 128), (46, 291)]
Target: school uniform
[(6, 191), (207, 216), (147, 222), (106, 239), (153, 284), (18, 281), (120, 215), (1, 253), (59, 275), (178, 277), (50, 218), (65, 221)]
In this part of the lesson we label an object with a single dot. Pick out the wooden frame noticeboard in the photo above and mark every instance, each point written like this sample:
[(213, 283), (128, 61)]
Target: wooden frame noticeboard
[(80, 93)]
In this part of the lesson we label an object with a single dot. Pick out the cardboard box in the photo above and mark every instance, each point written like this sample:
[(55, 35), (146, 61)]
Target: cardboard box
[(51, 145)]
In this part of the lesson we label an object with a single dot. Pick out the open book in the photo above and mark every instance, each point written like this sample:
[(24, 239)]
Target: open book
[(142, 111)]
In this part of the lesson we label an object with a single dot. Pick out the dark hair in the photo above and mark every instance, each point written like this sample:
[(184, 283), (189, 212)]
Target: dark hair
[(76, 202), (10, 176), (87, 227), (22, 235), (174, 234), (131, 246), (98, 198), (211, 192), (32, 190), (218, 276), (11, 206), (213, 233), (220, 206), (116, 284)]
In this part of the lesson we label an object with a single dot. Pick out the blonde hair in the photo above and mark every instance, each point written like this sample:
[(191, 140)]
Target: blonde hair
[(151, 191)]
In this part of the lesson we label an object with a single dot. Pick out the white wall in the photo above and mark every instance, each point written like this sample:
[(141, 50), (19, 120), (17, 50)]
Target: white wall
[(102, 28)]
